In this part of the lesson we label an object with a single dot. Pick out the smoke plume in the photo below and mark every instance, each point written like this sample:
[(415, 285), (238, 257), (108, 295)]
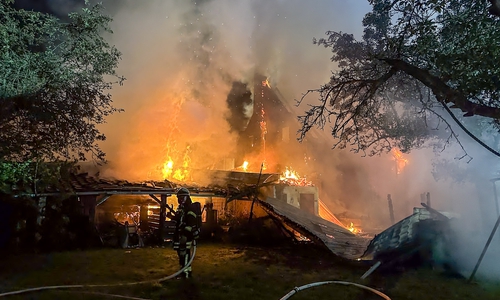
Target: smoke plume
[(181, 60)]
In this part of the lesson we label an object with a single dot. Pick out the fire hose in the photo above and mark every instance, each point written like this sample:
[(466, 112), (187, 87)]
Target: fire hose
[(60, 287), (300, 288), (287, 296)]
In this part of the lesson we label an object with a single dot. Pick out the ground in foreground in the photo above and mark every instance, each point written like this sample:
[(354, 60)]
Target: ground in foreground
[(222, 271)]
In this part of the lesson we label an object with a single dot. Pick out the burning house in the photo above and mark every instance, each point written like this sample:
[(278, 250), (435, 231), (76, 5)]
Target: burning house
[(258, 179)]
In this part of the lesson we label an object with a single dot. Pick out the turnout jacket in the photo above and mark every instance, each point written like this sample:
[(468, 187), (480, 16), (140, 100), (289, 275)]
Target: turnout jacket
[(186, 222)]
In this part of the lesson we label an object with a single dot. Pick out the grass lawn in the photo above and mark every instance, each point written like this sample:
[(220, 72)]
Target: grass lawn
[(222, 271)]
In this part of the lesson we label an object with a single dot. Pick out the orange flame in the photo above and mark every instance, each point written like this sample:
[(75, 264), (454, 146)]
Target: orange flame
[(263, 133), (167, 168), (245, 166), (169, 171), (266, 83), (291, 177), (177, 163), (263, 129), (354, 229), (400, 160)]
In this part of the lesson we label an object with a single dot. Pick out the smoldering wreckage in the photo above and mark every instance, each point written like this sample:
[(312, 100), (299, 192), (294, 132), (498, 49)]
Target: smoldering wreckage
[(238, 203)]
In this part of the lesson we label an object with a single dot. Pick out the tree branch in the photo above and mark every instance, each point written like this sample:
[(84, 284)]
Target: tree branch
[(443, 92), (470, 133)]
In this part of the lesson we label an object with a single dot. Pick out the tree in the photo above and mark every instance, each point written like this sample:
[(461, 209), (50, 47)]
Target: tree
[(416, 60), (494, 9), (54, 82)]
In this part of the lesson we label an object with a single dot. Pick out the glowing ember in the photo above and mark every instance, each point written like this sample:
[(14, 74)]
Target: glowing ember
[(266, 83), (400, 160), (290, 174), (354, 229), (263, 130), (291, 177), (245, 166)]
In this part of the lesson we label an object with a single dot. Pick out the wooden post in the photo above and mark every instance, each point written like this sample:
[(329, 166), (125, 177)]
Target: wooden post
[(391, 209), (428, 199), (484, 249), (163, 209), (143, 213), (256, 193), (89, 203), (496, 197)]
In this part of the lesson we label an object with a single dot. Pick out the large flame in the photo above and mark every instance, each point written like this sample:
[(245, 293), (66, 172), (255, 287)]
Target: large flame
[(177, 163), (401, 162), (170, 171), (291, 177), (167, 168)]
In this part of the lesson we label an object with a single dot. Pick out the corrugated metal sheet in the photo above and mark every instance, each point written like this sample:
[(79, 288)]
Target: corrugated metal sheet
[(336, 238), (402, 236)]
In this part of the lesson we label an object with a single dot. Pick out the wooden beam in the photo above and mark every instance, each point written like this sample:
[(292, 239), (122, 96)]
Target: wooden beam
[(163, 208)]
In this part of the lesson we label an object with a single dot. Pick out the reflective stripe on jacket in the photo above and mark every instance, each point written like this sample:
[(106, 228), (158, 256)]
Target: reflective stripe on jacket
[(188, 222)]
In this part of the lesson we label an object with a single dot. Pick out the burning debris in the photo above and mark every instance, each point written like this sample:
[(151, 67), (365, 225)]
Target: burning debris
[(354, 229), (290, 177)]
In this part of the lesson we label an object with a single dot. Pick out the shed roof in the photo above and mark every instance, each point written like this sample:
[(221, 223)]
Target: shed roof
[(338, 239), (402, 235)]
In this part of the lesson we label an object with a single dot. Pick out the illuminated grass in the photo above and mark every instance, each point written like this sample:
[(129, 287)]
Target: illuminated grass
[(221, 272)]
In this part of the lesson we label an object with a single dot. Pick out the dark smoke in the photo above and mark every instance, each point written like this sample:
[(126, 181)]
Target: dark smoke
[(238, 102)]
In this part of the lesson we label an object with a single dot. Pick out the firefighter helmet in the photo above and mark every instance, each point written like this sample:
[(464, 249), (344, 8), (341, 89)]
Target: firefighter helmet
[(182, 195), (183, 192)]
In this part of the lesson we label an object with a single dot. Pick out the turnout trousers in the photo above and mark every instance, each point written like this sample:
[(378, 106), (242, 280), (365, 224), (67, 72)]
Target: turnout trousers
[(183, 247)]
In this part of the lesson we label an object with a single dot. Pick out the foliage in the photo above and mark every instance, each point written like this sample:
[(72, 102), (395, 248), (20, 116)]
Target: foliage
[(53, 84), (13, 173), (417, 60), (34, 177)]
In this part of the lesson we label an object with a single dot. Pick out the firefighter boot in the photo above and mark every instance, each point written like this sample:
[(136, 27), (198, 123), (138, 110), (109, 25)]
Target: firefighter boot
[(182, 258)]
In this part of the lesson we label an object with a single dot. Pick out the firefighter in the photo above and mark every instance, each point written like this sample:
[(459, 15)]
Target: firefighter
[(186, 230)]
